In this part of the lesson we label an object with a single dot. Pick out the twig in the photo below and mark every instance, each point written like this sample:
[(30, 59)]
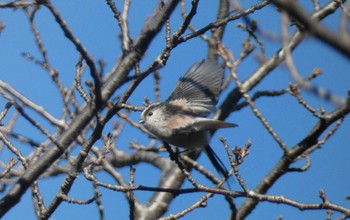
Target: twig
[(257, 113), (14, 150), (17, 4), (235, 162), (7, 108), (36, 124), (224, 21), (260, 94), (312, 26), (99, 202), (39, 109), (190, 26), (194, 164), (77, 80), (316, 4), (77, 201), (175, 158), (131, 107), (303, 168), (134, 124), (251, 29), (123, 24), (92, 178), (296, 93), (226, 54), (200, 204), (8, 167), (45, 64), (84, 53), (131, 196)]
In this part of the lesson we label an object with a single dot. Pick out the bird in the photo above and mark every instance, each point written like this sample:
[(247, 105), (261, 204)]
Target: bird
[(182, 119)]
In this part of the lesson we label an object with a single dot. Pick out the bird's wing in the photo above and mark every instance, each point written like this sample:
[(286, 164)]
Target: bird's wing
[(199, 87), (204, 124)]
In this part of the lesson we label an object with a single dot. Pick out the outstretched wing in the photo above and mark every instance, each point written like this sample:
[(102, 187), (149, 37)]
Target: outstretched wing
[(199, 87)]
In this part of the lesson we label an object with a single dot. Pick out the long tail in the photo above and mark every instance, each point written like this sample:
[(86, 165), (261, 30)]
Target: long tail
[(215, 160)]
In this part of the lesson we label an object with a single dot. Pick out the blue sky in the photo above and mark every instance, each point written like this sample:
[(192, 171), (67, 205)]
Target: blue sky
[(93, 23)]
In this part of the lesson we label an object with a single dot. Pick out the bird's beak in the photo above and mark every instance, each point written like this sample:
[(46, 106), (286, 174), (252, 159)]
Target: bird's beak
[(141, 121)]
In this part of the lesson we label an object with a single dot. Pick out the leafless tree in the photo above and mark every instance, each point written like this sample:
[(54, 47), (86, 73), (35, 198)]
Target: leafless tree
[(93, 116)]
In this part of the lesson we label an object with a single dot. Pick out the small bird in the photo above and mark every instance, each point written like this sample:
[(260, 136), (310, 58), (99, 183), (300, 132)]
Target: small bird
[(182, 119)]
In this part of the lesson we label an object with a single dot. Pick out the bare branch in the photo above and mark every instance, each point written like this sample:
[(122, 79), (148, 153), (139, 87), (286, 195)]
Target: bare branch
[(39, 109), (339, 42), (97, 135), (17, 4)]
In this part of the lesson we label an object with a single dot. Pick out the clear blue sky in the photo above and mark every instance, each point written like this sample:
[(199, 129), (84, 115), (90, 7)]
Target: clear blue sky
[(93, 23)]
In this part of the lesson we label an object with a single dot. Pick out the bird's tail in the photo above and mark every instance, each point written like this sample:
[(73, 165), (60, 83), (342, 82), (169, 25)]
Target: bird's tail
[(215, 160)]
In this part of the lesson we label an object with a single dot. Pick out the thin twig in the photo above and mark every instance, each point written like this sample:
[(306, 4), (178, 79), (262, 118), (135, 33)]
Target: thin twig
[(14, 150), (45, 64), (4, 112), (84, 53), (175, 158), (76, 201), (296, 93), (99, 202), (16, 5), (225, 21), (8, 167), (39, 109), (258, 114), (77, 80), (131, 196)]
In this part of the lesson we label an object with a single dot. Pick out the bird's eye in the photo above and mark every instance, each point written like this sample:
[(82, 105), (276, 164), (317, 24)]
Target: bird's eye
[(150, 113)]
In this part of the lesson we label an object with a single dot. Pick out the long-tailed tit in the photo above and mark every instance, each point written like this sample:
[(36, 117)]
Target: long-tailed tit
[(181, 119)]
